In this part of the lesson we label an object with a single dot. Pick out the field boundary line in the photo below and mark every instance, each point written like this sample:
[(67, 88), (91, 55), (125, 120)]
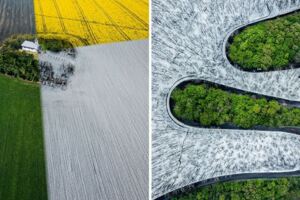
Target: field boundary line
[(82, 40), (43, 18)]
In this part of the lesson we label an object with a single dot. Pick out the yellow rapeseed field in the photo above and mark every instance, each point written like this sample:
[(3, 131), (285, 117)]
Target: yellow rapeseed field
[(85, 22)]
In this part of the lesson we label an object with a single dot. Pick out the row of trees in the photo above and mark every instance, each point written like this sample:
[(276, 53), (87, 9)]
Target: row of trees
[(259, 189), (268, 45), (211, 106), (16, 63)]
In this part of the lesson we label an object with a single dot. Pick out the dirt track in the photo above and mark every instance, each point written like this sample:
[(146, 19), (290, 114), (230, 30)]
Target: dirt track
[(16, 16)]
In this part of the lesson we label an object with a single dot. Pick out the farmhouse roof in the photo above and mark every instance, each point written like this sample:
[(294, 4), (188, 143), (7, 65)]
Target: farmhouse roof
[(31, 45)]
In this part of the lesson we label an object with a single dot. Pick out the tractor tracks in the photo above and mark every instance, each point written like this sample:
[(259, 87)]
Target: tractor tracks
[(124, 35), (62, 24), (132, 14), (85, 22)]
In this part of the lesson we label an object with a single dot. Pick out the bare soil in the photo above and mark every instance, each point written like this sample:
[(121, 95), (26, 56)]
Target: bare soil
[(16, 17)]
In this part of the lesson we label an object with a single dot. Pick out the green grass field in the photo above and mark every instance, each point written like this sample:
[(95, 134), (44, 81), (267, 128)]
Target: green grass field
[(22, 160)]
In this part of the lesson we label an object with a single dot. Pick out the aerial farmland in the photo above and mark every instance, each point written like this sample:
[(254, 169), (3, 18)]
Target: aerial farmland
[(22, 165), (16, 17), (63, 134), (92, 21), (96, 130)]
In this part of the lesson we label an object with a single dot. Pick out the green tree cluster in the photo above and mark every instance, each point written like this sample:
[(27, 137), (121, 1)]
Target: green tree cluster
[(55, 45), (256, 189), (211, 106), (16, 63), (268, 45)]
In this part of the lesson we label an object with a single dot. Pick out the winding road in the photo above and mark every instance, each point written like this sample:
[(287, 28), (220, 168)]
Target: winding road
[(189, 41)]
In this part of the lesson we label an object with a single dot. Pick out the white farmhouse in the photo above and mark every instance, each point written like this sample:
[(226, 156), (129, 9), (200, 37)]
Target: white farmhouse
[(31, 46)]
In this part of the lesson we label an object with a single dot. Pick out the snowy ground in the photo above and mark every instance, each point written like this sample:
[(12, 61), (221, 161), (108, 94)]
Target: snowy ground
[(56, 75), (96, 131), (188, 42), (56, 59)]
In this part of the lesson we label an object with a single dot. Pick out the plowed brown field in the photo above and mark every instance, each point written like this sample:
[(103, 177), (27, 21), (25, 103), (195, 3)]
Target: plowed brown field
[(16, 16)]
